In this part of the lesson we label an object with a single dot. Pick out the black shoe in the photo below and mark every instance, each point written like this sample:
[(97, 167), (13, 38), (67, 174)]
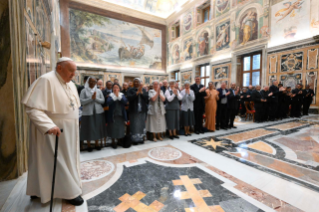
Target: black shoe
[(76, 201), (98, 148), (217, 128), (171, 137), (135, 143), (175, 136), (90, 149), (114, 145), (202, 132), (233, 127), (197, 132), (224, 128), (33, 197)]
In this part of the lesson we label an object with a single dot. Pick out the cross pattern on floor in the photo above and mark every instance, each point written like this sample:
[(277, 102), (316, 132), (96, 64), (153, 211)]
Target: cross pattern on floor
[(133, 202), (196, 195)]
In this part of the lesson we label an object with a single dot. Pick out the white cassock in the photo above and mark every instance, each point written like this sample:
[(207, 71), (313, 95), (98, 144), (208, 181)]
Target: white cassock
[(48, 104)]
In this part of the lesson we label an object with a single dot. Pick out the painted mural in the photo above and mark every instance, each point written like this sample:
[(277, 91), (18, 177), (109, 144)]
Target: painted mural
[(312, 81), (148, 79), (30, 54), (29, 6), (203, 42), (292, 62), (221, 73), (107, 41), (291, 80), (188, 51), (248, 26), (221, 7), (290, 21), (222, 36), (40, 18), (175, 54), (186, 76), (187, 22)]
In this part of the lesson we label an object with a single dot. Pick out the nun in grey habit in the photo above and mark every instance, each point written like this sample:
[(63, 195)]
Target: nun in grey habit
[(92, 121), (173, 97)]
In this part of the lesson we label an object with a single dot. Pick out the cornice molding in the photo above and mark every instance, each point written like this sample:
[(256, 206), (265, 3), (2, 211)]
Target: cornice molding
[(122, 10), (290, 45)]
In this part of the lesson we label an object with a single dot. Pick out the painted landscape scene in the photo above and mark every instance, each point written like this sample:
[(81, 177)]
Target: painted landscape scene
[(101, 40)]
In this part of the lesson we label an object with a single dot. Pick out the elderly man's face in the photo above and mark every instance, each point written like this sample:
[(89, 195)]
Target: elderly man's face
[(250, 87), (165, 83), (258, 87), (136, 83), (100, 84), (233, 86), (125, 86), (66, 70), (172, 84), (223, 86), (197, 80)]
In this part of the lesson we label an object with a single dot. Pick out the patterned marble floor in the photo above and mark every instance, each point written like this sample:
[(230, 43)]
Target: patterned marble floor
[(272, 166)]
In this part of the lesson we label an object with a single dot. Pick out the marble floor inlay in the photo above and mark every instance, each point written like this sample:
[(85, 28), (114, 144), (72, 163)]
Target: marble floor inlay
[(261, 146), (176, 188), (248, 135), (93, 170), (164, 153), (288, 126)]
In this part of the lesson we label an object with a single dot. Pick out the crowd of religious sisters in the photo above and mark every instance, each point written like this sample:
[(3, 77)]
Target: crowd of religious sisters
[(132, 113)]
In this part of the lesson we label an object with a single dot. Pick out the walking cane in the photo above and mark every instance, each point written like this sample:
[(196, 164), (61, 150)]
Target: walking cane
[(54, 168)]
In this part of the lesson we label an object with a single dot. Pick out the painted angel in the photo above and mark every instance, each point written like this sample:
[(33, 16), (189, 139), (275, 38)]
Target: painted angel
[(290, 9), (223, 36)]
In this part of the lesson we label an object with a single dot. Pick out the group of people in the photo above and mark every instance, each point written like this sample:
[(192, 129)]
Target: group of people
[(52, 103), (276, 102)]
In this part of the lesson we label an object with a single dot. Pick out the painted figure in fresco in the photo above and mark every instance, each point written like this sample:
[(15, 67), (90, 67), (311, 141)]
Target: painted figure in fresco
[(223, 37), (203, 43), (188, 50), (187, 22), (221, 4), (175, 54), (290, 9), (249, 28)]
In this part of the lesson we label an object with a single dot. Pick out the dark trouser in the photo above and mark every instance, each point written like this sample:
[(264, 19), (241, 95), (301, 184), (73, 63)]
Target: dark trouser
[(198, 113), (232, 114), (306, 106), (265, 112), (222, 121), (273, 110), (243, 108), (295, 109), (258, 113)]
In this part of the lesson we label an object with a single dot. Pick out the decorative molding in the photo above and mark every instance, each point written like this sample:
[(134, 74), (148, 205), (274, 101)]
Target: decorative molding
[(220, 62), (312, 59), (122, 10), (290, 45), (273, 64)]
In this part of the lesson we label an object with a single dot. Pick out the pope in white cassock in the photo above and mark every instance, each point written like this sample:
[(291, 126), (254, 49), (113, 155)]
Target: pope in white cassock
[(52, 104)]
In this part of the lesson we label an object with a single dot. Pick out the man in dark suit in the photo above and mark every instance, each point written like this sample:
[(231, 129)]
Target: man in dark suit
[(307, 100), (296, 101), (222, 107), (265, 104), (273, 103), (250, 91), (233, 104), (280, 111), (258, 102), (287, 101), (244, 96), (199, 104)]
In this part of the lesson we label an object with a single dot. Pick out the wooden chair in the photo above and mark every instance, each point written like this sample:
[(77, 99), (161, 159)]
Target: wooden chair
[(250, 113)]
